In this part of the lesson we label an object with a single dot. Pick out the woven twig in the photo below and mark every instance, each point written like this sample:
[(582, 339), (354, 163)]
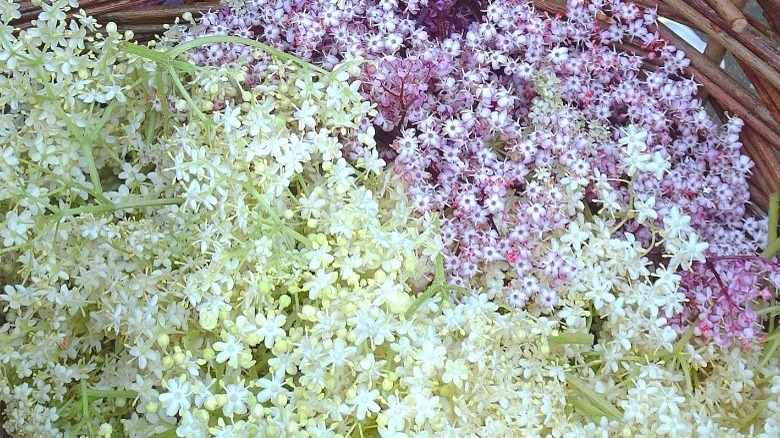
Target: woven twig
[(144, 21)]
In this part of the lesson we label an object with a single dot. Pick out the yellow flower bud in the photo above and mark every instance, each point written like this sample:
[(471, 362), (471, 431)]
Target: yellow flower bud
[(284, 301), (410, 264), (272, 431), (105, 430), (258, 412), (211, 403), (545, 348), (202, 415), (181, 105), (208, 320), (309, 313), (167, 362), (387, 385), (245, 360), (152, 407)]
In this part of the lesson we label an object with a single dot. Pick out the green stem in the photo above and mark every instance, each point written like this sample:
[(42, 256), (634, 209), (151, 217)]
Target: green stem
[(761, 408), (145, 52), (587, 409), (183, 47), (105, 208), (678, 346), (103, 393), (84, 141), (161, 95), (432, 290), (771, 249), (65, 182), (170, 433), (629, 214), (177, 82), (572, 338), (598, 401), (770, 309), (588, 213), (769, 350)]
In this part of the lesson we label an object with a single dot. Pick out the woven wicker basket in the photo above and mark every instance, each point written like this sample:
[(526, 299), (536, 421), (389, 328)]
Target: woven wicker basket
[(754, 44)]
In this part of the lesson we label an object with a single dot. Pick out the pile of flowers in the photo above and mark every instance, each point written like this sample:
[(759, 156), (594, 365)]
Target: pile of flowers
[(362, 218)]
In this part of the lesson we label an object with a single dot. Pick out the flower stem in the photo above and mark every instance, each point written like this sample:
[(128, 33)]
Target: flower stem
[(597, 401), (181, 48), (572, 338), (105, 208)]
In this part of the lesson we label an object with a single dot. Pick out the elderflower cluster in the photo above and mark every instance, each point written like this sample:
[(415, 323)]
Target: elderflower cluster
[(158, 258), (228, 250), (476, 100)]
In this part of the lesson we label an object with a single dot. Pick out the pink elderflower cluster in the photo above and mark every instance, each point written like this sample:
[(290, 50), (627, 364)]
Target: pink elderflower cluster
[(466, 107), (399, 85), (723, 294)]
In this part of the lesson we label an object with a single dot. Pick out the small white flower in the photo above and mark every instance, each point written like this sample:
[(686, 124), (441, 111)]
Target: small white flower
[(270, 328), (364, 401), (456, 372), (229, 351), (177, 399), (675, 222), (271, 387), (645, 209), (237, 395), (229, 118), (305, 115)]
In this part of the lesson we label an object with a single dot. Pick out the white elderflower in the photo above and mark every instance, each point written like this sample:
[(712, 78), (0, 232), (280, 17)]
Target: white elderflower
[(269, 328), (364, 401), (229, 351), (685, 252), (236, 395), (676, 223), (644, 209), (15, 227), (177, 399), (271, 388)]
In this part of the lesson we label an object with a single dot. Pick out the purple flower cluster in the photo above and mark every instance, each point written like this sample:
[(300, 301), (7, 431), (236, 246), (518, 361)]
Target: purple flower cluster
[(721, 294), (460, 91)]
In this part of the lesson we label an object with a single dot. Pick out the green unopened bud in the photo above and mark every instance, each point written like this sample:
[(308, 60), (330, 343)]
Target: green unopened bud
[(272, 431), (258, 412), (152, 407), (210, 404), (167, 362), (410, 264)]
